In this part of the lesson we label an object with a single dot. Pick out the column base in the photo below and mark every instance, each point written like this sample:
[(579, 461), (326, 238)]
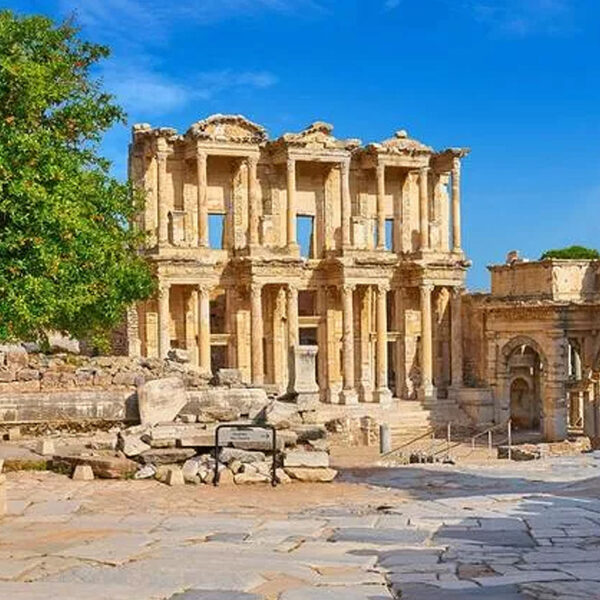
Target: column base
[(382, 396), (427, 394), (366, 393), (332, 395), (293, 249), (348, 397)]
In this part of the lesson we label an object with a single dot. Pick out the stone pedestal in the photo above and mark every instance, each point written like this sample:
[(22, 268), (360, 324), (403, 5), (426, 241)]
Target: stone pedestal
[(303, 382)]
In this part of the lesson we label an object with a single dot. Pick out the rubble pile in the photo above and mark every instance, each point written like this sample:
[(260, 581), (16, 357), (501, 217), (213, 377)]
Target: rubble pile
[(175, 440)]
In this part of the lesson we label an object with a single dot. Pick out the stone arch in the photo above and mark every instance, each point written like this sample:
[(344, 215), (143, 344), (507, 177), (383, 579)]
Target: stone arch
[(536, 381), (523, 340)]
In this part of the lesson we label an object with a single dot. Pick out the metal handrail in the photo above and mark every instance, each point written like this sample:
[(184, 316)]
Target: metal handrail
[(410, 442)]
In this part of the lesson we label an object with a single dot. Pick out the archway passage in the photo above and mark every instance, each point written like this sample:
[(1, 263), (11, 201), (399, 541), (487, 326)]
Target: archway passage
[(525, 370), (524, 407)]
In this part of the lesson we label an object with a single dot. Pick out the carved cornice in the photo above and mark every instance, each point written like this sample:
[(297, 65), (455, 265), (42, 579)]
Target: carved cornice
[(227, 128)]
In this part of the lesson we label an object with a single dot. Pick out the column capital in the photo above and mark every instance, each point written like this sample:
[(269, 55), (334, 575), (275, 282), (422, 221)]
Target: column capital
[(424, 170), (456, 165), (383, 287), (163, 287), (456, 291), (201, 153), (345, 163), (256, 288), (380, 169), (204, 288), (252, 160), (426, 287), (348, 287), (292, 287), (290, 162)]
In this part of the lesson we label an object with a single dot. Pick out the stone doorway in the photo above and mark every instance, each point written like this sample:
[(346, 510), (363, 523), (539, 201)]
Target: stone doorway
[(525, 368)]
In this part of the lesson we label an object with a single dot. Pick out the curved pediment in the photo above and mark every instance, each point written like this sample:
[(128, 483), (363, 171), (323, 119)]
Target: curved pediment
[(228, 128), (318, 136)]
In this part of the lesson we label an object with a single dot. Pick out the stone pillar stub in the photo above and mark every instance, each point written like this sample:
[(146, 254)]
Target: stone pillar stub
[(303, 381)]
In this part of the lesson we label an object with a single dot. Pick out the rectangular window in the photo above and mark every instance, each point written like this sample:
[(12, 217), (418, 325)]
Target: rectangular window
[(304, 227), (389, 234), (216, 230)]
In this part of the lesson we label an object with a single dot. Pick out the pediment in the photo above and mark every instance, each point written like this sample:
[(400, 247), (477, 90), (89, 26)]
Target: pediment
[(228, 128), (318, 136), (401, 143)]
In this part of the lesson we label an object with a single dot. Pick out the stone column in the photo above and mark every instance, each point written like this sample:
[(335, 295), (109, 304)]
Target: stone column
[(204, 327), (256, 318), (348, 395), (427, 391), (383, 393), (346, 202), (201, 166), (163, 209), (292, 316), (400, 295), (192, 334), (380, 173), (424, 207), (291, 204), (164, 320), (456, 338), (253, 217), (456, 242)]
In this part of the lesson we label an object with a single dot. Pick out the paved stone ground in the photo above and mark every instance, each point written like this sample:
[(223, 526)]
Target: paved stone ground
[(426, 532)]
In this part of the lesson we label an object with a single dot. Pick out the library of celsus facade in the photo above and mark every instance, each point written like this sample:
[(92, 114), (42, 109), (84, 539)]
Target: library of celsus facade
[(262, 246)]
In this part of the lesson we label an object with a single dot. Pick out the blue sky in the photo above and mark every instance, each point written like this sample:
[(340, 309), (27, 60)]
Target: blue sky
[(518, 81)]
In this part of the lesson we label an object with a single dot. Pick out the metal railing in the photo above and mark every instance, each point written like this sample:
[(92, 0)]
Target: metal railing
[(450, 444)]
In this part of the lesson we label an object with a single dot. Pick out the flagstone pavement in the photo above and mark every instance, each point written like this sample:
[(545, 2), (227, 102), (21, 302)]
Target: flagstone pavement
[(507, 531)]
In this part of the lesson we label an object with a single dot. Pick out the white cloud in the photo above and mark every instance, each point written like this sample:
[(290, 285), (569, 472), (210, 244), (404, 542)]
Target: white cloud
[(144, 91), (524, 17)]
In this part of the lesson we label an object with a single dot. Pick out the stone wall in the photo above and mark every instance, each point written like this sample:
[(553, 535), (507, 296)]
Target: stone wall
[(39, 387)]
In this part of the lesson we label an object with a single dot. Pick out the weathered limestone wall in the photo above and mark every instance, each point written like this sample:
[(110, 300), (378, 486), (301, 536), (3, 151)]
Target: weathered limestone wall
[(474, 343), (37, 387), (566, 280)]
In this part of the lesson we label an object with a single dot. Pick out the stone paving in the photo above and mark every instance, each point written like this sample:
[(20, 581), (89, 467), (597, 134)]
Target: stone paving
[(506, 532)]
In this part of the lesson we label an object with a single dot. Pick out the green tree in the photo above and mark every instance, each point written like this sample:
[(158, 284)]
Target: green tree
[(572, 252), (68, 259)]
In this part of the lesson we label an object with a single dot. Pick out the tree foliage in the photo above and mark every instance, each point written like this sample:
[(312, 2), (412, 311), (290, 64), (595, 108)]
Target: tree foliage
[(572, 252), (68, 259)]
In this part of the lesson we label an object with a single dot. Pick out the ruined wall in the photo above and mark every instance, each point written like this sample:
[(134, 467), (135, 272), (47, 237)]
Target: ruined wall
[(474, 341), (37, 387)]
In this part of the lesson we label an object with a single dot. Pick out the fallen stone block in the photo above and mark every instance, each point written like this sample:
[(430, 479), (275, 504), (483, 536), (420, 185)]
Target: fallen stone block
[(226, 477), (203, 440), (282, 415), (312, 475), (104, 467), (13, 434), (215, 414), (161, 399), (131, 444), (190, 469), (83, 473), (45, 447), (146, 472), (228, 378), (228, 455), (175, 477), (164, 456), (303, 458), (243, 478), (307, 433), (282, 476)]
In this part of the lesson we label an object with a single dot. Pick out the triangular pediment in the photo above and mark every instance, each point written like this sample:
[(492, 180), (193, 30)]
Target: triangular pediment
[(401, 143), (228, 128), (318, 136)]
